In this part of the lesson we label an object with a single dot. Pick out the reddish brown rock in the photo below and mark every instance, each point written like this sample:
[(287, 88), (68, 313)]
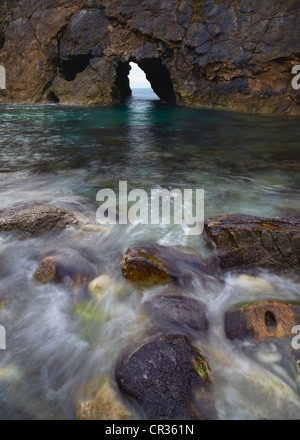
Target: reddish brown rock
[(262, 320)]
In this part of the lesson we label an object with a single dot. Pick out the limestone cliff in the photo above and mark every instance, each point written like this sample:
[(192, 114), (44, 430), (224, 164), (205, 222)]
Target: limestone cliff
[(235, 54)]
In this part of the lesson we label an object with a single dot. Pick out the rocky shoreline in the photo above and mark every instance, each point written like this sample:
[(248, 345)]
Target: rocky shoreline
[(180, 384)]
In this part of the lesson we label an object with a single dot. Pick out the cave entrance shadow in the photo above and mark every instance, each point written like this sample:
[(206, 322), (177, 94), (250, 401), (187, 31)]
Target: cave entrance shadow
[(156, 73)]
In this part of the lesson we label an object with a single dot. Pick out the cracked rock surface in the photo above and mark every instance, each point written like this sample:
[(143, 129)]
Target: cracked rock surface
[(243, 240)]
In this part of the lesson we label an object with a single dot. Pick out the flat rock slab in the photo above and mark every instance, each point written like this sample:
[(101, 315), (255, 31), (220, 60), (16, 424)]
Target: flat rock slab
[(246, 241), (262, 320), (178, 312), (161, 376), (35, 219)]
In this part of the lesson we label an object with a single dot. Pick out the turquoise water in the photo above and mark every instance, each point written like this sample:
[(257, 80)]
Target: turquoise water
[(64, 156), (245, 163)]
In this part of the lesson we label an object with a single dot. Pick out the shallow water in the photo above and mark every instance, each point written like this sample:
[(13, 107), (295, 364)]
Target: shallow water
[(64, 156)]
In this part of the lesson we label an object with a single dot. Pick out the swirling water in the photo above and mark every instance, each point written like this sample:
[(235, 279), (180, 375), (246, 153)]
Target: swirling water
[(64, 156)]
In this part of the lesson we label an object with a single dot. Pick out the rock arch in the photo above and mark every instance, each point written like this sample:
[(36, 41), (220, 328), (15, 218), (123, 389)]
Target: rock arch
[(157, 74), (197, 55)]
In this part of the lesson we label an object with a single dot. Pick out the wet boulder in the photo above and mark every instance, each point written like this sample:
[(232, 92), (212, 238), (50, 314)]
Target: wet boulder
[(246, 241), (178, 313), (162, 377), (140, 265), (162, 264), (262, 320), (35, 219), (67, 267)]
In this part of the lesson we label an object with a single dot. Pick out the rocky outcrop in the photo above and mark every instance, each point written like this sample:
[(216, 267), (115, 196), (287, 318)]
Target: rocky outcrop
[(35, 219), (215, 53), (242, 240), (162, 376), (262, 320)]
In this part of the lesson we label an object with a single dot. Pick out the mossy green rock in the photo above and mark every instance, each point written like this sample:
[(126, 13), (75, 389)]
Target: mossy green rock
[(92, 317), (165, 264), (142, 266)]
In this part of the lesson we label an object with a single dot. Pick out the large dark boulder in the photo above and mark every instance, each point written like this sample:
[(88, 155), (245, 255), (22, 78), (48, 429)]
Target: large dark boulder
[(246, 241), (163, 375)]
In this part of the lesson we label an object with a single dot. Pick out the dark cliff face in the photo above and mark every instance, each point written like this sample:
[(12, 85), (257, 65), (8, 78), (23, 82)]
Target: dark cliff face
[(235, 54)]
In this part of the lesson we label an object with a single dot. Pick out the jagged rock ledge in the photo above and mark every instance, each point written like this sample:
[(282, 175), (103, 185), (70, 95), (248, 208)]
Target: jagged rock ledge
[(246, 241)]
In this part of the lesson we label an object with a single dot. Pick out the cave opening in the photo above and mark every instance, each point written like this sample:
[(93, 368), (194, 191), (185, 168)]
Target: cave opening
[(52, 98), (74, 65), (155, 74)]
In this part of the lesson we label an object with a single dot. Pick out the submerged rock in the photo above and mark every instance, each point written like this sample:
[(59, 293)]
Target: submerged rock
[(255, 284), (69, 268), (105, 283), (162, 376), (35, 219), (91, 317), (101, 403), (251, 392), (243, 240), (96, 229), (262, 320), (178, 312)]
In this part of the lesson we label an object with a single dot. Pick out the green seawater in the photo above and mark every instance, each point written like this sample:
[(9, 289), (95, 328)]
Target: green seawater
[(245, 163), (63, 156)]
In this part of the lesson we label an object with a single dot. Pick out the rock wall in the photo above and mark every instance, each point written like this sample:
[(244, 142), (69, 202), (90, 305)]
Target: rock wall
[(235, 54)]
